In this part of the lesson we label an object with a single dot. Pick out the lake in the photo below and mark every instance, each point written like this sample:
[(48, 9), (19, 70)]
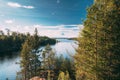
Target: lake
[(8, 68)]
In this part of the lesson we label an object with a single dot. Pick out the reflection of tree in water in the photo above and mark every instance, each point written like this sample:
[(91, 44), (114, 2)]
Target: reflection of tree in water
[(8, 55)]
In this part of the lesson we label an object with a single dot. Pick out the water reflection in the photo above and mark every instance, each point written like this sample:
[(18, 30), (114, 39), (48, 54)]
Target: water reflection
[(8, 68), (65, 47), (8, 55)]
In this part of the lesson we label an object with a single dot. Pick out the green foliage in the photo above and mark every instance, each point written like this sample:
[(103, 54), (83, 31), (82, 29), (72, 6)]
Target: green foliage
[(35, 40), (61, 76), (52, 65), (98, 51), (46, 40), (49, 76), (48, 58), (64, 76), (13, 41), (25, 60), (64, 64), (48, 62), (67, 76), (30, 62)]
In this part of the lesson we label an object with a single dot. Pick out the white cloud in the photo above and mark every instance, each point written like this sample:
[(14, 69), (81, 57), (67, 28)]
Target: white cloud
[(17, 5), (28, 7), (9, 21), (58, 30), (51, 31), (12, 4)]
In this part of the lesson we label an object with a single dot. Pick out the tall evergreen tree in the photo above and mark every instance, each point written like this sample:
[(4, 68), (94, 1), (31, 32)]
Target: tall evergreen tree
[(30, 62), (25, 60), (64, 76), (98, 51), (48, 64), (35, 40), (35, 45), (61, 76)]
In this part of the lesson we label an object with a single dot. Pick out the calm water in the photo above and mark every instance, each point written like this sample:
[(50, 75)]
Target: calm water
[(8, 68)]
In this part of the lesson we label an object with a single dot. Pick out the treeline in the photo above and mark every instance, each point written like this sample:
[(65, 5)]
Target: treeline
[(98, 54), (72, 39), (13, 41), (43, 63)]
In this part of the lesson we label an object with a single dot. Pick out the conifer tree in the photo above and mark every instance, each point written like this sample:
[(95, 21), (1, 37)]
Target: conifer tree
[(48, 63), (98, 51), (25, 60), (61, 76), (48, 58), (67, 76), (35, 57), (49, 76), (64, 76), (30, 62)]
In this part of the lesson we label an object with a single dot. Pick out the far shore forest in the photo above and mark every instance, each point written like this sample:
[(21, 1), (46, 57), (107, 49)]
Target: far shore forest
[(97, 56)]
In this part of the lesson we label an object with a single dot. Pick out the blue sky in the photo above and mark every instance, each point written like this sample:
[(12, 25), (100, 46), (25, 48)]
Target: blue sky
[(53, 18)]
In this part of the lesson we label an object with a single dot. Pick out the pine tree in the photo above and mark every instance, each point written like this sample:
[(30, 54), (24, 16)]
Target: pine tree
[(25, 59), (111, 38), (98, 51), (48, 58), (35, 57), (67, 76), (49, 76), (64, 76), (61, 76), (48, 64), (30, 62), (35, 40)]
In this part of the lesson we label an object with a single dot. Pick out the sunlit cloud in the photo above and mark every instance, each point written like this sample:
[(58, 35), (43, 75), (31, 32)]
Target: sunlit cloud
[(12, 4), (28, 7), (50, 31), (9, 21), (17, 5)]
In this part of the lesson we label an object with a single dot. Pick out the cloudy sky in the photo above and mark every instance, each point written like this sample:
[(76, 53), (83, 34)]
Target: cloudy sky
[(53, 18)]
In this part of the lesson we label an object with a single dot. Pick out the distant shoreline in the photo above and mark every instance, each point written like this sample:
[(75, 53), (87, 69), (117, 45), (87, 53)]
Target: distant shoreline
[(74, 38)]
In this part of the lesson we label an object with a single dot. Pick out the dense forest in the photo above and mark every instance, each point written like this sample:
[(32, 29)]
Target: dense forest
[(13, 41), (98, 54)]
